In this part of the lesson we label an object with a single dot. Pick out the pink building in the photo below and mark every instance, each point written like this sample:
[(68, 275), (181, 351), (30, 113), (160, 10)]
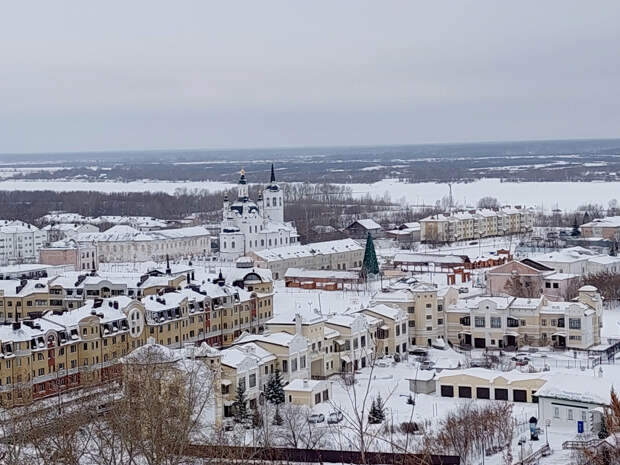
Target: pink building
[(82, 255)]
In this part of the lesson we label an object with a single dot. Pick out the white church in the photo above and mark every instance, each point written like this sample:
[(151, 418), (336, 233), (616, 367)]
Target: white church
[(252, 226)]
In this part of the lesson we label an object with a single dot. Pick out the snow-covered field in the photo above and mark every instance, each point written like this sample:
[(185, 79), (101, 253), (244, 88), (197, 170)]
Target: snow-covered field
[(546, 195)]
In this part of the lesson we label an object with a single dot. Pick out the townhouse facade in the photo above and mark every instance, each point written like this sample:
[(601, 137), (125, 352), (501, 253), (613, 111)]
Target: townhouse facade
[(511, 322), (476, 224), (392, 337), (62, 351), (425, 310)]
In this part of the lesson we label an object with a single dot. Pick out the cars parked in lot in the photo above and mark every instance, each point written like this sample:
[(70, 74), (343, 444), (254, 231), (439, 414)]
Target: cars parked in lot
[(316, 418), (334, 417), (463, 290)]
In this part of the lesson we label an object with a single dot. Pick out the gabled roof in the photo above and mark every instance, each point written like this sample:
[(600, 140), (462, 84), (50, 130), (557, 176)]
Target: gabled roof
[(536, 265)]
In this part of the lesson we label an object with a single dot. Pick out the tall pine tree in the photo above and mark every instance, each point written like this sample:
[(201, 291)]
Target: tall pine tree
[(370, 265), (240, 409)]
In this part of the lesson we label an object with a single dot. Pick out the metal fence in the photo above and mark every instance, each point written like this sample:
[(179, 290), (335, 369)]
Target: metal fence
[(286, 455)]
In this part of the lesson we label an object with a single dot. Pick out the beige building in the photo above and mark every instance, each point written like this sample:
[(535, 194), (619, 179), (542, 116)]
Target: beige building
[(308, 392), (480, 383), (476, 224), (356, 343), (322, 347), (425, 310), (249, 367), (332, 255), (67, 350), (392, 333), (510, 322), (290, 350)]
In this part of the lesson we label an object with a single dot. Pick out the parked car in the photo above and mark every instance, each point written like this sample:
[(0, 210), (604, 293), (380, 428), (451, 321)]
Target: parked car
[(427, 365), (463, 290), (383, 363), (334, 417), (316, 418), (102, 409)]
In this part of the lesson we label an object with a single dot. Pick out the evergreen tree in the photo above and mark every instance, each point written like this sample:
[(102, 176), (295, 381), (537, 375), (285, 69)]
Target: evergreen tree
[(603, 434), (370, 265), (372, 413), (613, 251), (240, 409), (380, 408), (274, 393), (575, 231), (586, 218), (274, 390)]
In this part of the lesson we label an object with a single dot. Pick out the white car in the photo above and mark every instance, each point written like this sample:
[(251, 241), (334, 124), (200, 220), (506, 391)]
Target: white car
[(385, 361), (316, 418)]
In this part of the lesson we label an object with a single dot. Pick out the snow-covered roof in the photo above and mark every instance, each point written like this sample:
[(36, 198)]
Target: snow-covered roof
[(307, 385), (368, 224), (580, 388), (308, 250), (106, 312), (279, 338), (384, 310), (607, 222), (125, 233), (322, 274), (234, 356), (492, 375), (409, 257)]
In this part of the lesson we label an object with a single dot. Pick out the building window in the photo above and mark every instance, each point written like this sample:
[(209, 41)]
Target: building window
[(556, 412), (496, 322), (574, 323), (570, 414), (252, 380), (479, 322)]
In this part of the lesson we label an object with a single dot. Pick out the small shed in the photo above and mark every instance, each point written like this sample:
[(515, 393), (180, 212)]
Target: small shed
[(361, 228), (309, 392), (423, 382)]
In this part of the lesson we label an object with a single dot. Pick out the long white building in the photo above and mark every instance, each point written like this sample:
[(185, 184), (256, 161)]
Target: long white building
[(249, 226), (20, 242), (476, 224), (126, 244)]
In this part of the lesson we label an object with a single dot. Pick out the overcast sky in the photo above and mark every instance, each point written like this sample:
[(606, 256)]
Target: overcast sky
[(113, 75)]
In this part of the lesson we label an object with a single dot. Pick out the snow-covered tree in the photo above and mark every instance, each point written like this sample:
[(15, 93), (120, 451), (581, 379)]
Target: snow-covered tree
[(274, 391), (240, 408)]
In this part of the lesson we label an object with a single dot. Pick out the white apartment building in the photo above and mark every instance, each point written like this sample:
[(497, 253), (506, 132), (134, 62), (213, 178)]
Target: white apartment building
[(476, 224), (579, 261), (342, 254), (251, 226), (126, 244), (20, 242)]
